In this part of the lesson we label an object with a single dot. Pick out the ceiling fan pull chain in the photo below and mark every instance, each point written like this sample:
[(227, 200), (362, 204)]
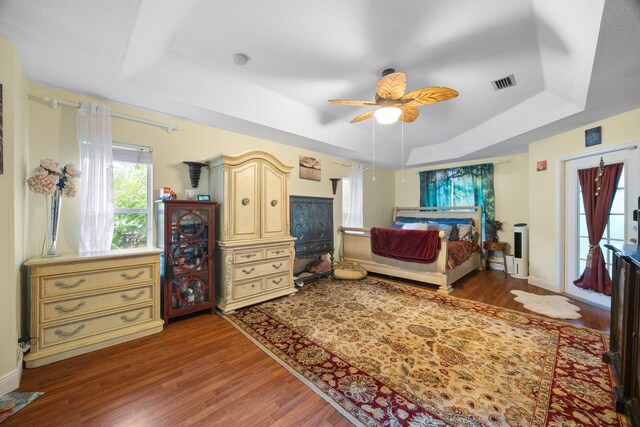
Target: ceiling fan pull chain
[(374, 151), (402, 146)]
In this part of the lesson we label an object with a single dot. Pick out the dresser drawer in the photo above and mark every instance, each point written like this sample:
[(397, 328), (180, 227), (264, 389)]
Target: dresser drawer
[(277, 251), (274, 282), (86, 281), (247, 255), (247, 289), (80, 329), (55, 310), (254, 270)]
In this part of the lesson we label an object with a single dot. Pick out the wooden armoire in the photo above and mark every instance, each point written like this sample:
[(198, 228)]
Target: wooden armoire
[(254, 253)]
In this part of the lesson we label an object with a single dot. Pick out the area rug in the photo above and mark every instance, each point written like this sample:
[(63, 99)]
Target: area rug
[(12, 402), (555, 306), (385, 354)]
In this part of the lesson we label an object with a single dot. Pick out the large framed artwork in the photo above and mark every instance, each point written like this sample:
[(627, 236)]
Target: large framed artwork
[(1, 140)]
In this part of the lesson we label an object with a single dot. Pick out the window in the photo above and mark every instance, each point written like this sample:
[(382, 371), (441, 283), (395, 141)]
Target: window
[(346, 199), (131, 196), (462, 186)]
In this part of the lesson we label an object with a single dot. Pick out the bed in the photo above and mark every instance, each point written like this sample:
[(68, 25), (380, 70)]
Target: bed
[(355, 246)]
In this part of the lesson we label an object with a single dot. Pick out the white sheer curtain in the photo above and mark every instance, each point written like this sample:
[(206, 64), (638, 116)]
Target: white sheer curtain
[(356, 180), (96, 188)]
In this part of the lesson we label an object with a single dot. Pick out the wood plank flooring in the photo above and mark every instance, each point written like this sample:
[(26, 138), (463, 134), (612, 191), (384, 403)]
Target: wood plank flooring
[(201, 371)]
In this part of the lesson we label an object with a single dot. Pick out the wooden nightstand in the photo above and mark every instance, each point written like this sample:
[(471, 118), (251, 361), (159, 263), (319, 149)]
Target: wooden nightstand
[(495, 246)]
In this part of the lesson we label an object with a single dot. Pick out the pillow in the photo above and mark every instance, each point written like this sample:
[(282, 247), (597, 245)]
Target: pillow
[(349, 271), (415, 226), (465, 232), (397, 225), (441, 227), (319, 267)]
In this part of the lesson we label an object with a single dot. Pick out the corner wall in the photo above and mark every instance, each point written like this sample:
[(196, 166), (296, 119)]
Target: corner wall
[(13, 233)]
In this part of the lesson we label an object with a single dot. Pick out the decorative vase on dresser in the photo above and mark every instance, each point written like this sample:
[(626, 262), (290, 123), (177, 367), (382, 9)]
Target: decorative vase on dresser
[(254, 252), (81, 303), (186, 233)]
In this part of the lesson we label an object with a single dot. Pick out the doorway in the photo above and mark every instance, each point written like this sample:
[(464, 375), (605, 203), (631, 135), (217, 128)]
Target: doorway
[(620, 226)]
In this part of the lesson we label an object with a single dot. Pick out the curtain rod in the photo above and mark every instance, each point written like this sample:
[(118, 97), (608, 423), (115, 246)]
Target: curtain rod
[(55, 102), (348, 165), (494, 164)]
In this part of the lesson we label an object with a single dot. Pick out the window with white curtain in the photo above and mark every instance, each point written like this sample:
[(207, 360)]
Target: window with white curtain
[(132, 196), (346, 199)]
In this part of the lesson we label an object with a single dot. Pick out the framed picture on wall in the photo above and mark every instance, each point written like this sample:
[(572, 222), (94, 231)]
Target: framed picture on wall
[(1, 136), (310, 168), (593, 136)]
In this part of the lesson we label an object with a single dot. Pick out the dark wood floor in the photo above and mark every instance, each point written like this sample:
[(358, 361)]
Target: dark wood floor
[(202, 371)]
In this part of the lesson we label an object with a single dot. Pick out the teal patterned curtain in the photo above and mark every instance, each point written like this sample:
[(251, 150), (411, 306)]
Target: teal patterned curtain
[(462, 186)]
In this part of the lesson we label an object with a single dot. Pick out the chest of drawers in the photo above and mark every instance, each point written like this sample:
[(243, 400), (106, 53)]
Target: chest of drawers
[(81, 303)]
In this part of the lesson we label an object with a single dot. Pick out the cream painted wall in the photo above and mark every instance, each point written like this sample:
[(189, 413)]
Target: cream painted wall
[(510, 182), (13, 233), (53, 134), (543, 191)]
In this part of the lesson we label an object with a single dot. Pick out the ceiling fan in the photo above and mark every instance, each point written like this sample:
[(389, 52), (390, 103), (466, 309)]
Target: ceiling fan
[(394, 103)]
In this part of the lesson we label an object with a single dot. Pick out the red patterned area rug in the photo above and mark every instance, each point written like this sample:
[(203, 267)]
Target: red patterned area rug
[(385, 354)]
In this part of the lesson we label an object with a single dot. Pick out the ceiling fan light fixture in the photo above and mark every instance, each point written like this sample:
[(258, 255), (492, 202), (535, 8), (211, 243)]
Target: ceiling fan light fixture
[(387, 115)]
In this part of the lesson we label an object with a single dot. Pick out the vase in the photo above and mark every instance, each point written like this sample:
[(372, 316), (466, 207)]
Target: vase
[(52, 208)]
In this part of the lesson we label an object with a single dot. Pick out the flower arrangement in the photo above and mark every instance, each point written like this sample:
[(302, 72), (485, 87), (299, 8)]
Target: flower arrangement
[(497, 226), (49, 177)]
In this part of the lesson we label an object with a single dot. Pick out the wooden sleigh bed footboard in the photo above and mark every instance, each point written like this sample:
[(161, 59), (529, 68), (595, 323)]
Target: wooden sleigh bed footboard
[(355, 246)]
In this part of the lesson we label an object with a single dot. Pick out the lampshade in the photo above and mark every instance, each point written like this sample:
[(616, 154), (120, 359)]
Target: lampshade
[(387, 115)]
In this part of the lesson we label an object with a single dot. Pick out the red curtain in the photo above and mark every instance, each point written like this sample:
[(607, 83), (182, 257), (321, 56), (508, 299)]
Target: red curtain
[(595, 276)]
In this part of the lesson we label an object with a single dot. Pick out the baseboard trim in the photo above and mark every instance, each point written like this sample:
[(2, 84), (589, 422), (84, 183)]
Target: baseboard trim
[(11, 380), (544, 284)]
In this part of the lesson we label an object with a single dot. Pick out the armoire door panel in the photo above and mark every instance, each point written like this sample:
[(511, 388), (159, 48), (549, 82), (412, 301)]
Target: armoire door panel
[(274, 203), (245, 202)]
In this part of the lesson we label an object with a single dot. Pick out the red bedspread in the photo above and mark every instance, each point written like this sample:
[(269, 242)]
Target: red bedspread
[(406, 245), (460, 251)]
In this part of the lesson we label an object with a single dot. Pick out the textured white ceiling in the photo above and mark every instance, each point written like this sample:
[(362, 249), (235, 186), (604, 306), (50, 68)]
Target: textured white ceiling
[(176, 57)]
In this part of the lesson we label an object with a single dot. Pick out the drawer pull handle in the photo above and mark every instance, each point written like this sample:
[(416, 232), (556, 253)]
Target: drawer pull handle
[(128, 277), (277, 282), (276, 266), (274, 203), (249, 255), (128, 298), (69, 310), (248, 271), (131, 319), (75, 285), (62, 333), (278, 252), (245, 201)]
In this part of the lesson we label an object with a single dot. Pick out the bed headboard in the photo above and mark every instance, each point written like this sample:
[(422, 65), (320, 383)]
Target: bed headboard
[(474, 212)]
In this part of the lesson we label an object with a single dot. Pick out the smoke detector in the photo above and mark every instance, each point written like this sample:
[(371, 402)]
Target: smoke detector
[(240, 59)]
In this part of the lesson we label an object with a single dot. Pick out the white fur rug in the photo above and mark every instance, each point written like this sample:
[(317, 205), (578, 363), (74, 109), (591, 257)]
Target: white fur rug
[(555, 306)]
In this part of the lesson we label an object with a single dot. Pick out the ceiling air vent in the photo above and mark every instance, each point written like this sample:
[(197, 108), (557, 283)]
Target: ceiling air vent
[(504, 82)]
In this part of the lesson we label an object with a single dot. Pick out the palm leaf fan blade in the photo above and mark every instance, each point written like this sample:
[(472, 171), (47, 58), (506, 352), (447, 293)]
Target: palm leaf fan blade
[(363, 116), (409, 114), (428, 95), (353, 102), (391, 86)]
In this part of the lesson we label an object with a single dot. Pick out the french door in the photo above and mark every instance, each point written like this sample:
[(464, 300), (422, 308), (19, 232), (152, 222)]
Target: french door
[(620, 226)]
